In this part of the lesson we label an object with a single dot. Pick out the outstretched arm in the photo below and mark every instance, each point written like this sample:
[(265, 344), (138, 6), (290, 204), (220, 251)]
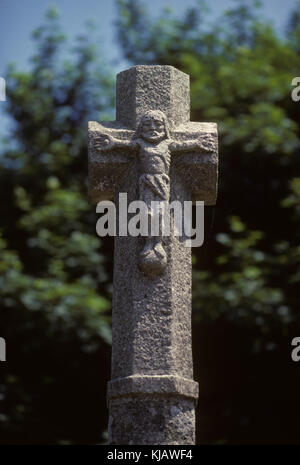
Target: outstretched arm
[(206, 144), (107, 142)]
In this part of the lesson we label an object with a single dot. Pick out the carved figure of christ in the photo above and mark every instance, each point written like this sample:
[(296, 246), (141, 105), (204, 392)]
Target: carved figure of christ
[(154, 147)]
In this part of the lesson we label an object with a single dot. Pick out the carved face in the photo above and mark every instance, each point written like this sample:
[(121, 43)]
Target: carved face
[(153, 128)]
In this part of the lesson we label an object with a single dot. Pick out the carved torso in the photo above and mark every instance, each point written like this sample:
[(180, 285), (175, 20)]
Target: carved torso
[(154, 158)]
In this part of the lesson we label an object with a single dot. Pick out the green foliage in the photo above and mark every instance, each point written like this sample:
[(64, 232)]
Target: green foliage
[(246, 277), (54, 238), (54, 280), (241, 73), (55, 273)]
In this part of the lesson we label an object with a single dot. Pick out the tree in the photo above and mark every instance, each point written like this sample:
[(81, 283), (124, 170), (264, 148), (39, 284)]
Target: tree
[(56, 274), (246, 280), (55, 282)]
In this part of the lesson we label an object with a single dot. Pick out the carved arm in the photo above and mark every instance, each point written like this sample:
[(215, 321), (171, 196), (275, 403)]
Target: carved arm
[(206, 145), (105, 142)]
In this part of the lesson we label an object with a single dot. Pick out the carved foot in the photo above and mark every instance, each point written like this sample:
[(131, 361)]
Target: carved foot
[(153, 261)]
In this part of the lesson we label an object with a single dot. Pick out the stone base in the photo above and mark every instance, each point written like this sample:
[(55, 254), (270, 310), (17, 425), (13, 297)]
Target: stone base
[(158, 410), (151, 421), (152, 384)]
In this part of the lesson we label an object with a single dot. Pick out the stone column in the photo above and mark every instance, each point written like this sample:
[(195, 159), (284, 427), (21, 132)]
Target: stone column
[(152, 394)]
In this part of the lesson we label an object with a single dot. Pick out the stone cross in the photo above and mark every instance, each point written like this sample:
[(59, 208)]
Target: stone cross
[(152, 152)]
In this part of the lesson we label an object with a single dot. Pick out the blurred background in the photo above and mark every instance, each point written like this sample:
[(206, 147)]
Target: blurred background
[(60, 62)]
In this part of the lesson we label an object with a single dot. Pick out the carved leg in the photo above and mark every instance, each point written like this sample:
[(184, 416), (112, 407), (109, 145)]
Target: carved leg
[(153, 258), (148, 247)]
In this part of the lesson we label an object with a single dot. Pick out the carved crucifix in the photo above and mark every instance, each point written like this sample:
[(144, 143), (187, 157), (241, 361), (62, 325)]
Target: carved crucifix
[(153, 148), (152, 152)]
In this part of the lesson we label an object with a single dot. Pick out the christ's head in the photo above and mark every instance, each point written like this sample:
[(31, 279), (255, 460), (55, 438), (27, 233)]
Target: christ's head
[(153, 126)]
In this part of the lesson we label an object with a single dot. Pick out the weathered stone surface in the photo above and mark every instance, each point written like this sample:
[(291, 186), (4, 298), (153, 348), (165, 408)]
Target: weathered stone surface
[(152, 384), (153, 420), (198, 170), (144, 88), (152, 394)]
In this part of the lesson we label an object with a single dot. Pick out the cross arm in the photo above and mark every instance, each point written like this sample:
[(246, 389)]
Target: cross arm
[(196, 159), (105, 142), (195, 137), (107, 162), (205, 144), (110, 135)]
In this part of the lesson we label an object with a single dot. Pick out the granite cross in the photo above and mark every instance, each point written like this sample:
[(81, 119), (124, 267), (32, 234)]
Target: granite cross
[(152, 152)]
